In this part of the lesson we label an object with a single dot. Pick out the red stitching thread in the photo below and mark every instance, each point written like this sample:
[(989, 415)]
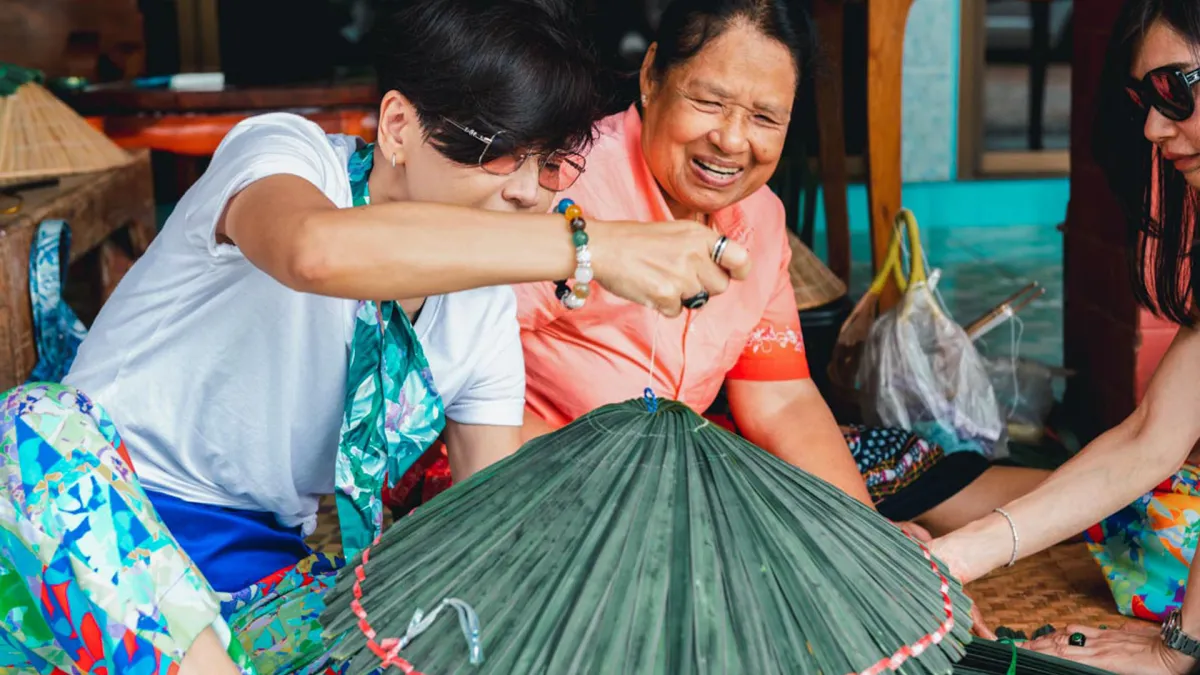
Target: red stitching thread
[(915, 649), (388, 651)]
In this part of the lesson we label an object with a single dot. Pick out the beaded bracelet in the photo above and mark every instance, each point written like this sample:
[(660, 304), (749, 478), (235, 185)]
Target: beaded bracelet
[(574, 298)]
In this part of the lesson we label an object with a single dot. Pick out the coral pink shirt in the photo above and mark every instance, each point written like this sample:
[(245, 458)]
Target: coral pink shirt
[(579, 360)]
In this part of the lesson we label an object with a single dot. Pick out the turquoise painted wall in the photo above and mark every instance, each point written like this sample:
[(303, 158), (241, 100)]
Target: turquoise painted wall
[(930, 142), (991, 203), (930, 92)]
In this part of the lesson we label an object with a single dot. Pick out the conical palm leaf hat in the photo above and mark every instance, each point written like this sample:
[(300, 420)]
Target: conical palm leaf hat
[(654, 543), (813, 283), (42, 136)]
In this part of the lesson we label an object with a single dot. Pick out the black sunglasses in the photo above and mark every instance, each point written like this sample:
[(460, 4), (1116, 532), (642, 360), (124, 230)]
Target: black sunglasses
[(1168, 90)]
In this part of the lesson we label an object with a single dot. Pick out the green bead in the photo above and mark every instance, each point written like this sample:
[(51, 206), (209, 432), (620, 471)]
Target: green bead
[(580, 238), (1077, 640)]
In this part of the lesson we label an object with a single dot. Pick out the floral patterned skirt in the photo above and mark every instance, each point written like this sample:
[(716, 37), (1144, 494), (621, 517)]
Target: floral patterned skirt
[(91, 581), (1146, 548)]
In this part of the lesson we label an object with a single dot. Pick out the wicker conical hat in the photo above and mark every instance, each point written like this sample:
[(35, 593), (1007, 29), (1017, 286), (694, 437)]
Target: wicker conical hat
[(42, 136), (813, 282)]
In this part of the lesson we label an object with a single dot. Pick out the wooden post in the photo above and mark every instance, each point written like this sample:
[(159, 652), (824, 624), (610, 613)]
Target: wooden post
[(886, 20), (831, 129)]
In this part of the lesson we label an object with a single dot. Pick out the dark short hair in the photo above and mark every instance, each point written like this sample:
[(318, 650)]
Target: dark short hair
[(516, 66), (687, 26), (1160, 240)]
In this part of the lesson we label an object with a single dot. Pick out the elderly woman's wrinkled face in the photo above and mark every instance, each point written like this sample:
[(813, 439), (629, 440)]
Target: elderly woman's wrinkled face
[(714, 126)]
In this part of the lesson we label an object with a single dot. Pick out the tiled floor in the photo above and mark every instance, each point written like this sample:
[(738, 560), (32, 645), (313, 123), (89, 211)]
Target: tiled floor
[(980, 267)]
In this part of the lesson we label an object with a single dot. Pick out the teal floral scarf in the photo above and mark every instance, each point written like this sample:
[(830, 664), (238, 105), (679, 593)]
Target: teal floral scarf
[(393, 412)]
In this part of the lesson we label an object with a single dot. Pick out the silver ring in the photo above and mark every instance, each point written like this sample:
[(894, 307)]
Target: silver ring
[(719, 249)]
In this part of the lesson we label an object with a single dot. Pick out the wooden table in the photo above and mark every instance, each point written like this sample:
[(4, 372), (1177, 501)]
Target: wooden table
[(111, 214), (107, 101), (187, 126)]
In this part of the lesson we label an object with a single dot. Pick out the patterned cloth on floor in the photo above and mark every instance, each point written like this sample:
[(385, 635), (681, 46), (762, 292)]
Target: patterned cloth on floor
[(92, 582), (1146, 549)]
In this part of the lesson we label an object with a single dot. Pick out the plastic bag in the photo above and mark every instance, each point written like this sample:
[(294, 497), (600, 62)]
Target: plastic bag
[(919, 370), (1025, 392)]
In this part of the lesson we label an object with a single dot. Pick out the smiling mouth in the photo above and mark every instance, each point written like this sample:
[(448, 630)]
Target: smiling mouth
[(717, 171)]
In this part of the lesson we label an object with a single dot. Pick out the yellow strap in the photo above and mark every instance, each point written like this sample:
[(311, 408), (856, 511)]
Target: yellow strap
[(891, 267), (916, 272)]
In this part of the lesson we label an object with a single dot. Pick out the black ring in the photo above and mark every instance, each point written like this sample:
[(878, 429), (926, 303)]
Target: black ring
[(1077, 640), (696, 301)]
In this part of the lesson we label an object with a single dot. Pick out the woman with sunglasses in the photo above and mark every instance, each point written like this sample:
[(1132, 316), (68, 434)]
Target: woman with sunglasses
[(1148, 141), (312, 316)]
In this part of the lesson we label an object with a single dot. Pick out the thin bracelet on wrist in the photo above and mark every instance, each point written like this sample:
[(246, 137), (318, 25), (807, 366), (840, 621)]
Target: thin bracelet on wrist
[(1016, 538)]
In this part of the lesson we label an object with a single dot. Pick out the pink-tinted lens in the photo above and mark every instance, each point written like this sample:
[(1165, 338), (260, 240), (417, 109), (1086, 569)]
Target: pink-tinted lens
[(561, 170), (502, 165)]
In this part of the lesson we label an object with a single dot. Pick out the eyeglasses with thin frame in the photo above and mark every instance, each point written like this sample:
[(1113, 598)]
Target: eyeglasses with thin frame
[(557, 170), (1168, 90)]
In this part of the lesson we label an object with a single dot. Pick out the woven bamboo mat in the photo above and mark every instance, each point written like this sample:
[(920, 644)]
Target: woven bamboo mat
[(1059, 586)]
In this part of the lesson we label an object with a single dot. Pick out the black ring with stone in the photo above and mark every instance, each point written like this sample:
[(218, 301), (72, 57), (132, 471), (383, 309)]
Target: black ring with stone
[(1077, 640), (696, 301)]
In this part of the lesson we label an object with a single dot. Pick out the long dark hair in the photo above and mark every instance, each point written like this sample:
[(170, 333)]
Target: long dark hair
[(1158, 203), (687, 26), (491, 65)]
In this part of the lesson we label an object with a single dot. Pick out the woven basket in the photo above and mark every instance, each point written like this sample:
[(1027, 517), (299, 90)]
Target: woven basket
[(42, 136), (813, 282)]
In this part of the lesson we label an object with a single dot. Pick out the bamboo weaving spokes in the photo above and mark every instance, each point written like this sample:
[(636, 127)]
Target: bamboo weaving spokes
[(985, 657), (631, 542)]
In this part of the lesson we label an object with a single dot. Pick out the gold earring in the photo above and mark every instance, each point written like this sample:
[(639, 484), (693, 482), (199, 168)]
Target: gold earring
[(393, 160)]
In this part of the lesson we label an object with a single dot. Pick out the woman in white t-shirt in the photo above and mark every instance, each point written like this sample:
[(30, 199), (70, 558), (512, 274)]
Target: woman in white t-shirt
[(249, 362)]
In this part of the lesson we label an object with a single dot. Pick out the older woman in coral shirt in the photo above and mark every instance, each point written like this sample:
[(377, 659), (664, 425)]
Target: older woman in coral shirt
[(715, 110), (717, 94)]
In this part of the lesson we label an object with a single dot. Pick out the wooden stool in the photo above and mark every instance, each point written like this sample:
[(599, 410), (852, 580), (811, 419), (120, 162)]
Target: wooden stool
[(111, 214)]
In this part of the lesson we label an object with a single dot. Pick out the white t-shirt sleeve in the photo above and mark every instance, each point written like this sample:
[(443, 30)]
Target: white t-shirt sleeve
[(256, 148), (495, 394)]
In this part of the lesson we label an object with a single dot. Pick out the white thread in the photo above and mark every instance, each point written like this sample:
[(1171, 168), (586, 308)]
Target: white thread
[(1017, 331), (653, 351)]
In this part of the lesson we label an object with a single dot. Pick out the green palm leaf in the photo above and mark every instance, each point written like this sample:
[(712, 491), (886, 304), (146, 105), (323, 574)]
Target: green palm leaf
[(652, 543), (985, 657)]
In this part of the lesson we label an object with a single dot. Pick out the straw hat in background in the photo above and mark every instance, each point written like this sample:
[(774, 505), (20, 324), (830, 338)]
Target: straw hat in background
[(42, 136), (813, 282)]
